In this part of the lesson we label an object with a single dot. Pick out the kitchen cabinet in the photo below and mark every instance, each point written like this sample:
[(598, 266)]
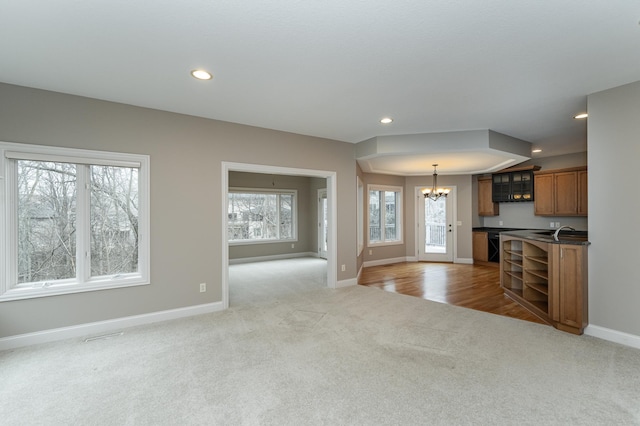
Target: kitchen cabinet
[(480, 246), (548, 279), (583, 195), (486, 206), (513, 185), (561, 192), (569, 287)]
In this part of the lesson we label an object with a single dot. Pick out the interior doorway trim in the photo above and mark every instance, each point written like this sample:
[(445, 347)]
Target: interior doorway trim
[(332, 250)]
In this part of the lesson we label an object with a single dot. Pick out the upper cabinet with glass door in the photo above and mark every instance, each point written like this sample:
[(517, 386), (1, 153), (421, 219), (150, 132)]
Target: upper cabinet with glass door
[(513, 185)]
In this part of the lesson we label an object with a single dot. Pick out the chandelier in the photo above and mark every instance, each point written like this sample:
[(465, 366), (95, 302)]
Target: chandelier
[(434, 193)]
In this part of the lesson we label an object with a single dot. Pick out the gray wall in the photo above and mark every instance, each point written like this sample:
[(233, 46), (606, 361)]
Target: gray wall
[(186, 192), (307, 211), (520, 215), (614, 228)]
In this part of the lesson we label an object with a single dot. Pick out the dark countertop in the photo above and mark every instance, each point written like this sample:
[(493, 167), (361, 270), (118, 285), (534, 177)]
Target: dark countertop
[(546, 236), (499, 229)]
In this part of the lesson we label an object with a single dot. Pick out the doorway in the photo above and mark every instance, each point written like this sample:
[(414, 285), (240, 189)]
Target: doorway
[(436, 233), (331, 216)]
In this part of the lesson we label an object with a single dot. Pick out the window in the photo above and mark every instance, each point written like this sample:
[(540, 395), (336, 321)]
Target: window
[(76, 220), (259, 215), (385, 214)]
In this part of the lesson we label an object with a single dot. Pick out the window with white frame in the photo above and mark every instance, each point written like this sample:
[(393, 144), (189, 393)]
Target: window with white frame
[(261, 216), (385, 214), (71, 220)]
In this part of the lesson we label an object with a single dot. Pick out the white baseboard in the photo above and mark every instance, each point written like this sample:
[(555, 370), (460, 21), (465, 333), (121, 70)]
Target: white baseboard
[(347, 283), (409, 259), (271, 257), (385, 261), (101, 327), (613, 336)]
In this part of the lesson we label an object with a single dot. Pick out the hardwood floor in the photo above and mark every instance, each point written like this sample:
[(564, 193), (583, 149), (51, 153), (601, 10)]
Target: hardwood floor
[(470, 286)]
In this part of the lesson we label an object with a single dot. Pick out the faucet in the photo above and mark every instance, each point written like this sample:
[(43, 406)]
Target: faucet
[(555, 235)]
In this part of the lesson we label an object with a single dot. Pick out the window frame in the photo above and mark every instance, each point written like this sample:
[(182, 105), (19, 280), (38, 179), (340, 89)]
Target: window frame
[(278, 191), (10, 153), (399, 216)]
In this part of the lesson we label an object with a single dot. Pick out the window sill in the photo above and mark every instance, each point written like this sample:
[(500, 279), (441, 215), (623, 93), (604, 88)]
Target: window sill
[(31, 292), (252, 242), (386, 243)]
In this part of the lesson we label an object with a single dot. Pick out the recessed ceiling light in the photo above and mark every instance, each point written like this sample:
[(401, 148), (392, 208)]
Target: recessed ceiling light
[(580, 116), (201, 75), (536, 150), (386, 120)]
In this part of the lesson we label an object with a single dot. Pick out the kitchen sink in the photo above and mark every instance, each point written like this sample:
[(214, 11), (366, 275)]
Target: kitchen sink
[(567, 235)]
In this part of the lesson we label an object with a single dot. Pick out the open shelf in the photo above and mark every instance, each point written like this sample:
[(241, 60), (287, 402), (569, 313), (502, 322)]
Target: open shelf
[(516, 262), (525, 274), (542, 288), (540, 259), (540, 273)]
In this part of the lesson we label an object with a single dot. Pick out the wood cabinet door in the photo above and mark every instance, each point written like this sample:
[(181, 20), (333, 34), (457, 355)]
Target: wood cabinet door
[(566, 193), (480, 246), (571, 279), (583, 194), (543, 201), (486, 207)]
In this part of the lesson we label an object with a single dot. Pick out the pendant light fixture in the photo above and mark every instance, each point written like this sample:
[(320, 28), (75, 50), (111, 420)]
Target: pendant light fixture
[(434, 193)]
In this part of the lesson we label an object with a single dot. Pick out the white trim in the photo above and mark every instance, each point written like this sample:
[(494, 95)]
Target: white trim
[(9, 289), (613, 336), (464, 260), (385, 261), (359, 216), (92, 161), (321, 194), (82, 330), (332, 197), (347, 283), (278, 192), (271, 257), (22, 150), (399, 215)]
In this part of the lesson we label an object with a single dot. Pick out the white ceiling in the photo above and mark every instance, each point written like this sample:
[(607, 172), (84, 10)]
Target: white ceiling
[(333, 68)]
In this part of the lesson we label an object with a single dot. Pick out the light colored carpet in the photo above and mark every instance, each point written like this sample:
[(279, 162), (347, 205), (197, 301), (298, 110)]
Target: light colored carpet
[(291, 351)]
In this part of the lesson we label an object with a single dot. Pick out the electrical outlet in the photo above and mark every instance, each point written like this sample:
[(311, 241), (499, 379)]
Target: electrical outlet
[(552, 224), (501, 223), (293, 246), (203, 287), (370, 252), (344, 268)]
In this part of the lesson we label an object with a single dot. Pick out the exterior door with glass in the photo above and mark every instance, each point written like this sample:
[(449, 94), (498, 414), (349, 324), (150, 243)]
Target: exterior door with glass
[(435, 228)]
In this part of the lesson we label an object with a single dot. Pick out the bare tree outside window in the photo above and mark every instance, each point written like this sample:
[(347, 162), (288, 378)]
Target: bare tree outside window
[(261, 216), (114, 220), (46, 221), (47, 203)]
